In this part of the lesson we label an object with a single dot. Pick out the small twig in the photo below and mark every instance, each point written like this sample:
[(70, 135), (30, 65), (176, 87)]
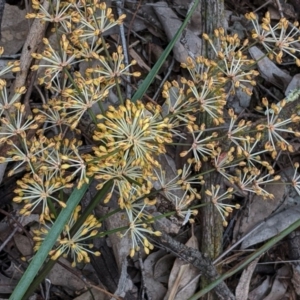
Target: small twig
[(122, 281), (131, 22), (263, 5), (143, 290), (18, 224), (279, 7), (268, 92), (33, 40), (11, 56), (8, 239)]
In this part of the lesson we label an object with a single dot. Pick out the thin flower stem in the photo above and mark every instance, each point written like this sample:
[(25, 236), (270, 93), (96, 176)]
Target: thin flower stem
[(92, 115), (111, 65), (119, 90), (107, 215), (172, 213)]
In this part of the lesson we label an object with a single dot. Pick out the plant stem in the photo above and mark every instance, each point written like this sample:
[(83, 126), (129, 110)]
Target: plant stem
[(212, 12)]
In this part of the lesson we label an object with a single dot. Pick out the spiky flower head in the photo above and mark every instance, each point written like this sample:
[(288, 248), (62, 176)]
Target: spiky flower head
[(75, 243), (138, 131)]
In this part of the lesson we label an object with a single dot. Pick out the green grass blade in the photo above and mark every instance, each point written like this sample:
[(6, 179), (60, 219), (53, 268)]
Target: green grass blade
[(47, 245), (148, 80)]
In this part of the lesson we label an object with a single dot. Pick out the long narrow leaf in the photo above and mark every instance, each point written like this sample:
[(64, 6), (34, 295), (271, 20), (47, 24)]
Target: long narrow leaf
[(148, 80), (47, 245)]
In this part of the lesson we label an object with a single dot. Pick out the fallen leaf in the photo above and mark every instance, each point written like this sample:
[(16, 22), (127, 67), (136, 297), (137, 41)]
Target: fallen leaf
[(259, 209), (24, 245), (155, 289), (261, 290), (267, 69), (279, 285), (140, 61), (272, 226), (93, 294), (120, 245), (242, 289), (15, 28), (62, 277), (163, 268), (296, 278), (240, 100), (183, 279)]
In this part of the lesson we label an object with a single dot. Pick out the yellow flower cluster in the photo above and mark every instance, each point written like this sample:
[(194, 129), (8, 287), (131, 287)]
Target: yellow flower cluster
[(72, 243), (136, 130)]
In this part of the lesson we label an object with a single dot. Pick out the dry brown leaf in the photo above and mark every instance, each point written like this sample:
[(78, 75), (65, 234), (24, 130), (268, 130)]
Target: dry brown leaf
[(169, 167), (183, 278), (268, 70), (259, 209), (280, 285), (156, 52), (140, 61), (121, 246), (296, 278), (14, 29), (163, 268), (182, 270), (23, 244), (62, 277), (155, 289), (261, 290), (272, 226), (242, 289), (125, 283), (240, 100)]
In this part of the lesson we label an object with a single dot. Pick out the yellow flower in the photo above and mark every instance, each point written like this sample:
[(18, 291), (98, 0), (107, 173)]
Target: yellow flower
[(72, 244), (138, 132), (216, 199)]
